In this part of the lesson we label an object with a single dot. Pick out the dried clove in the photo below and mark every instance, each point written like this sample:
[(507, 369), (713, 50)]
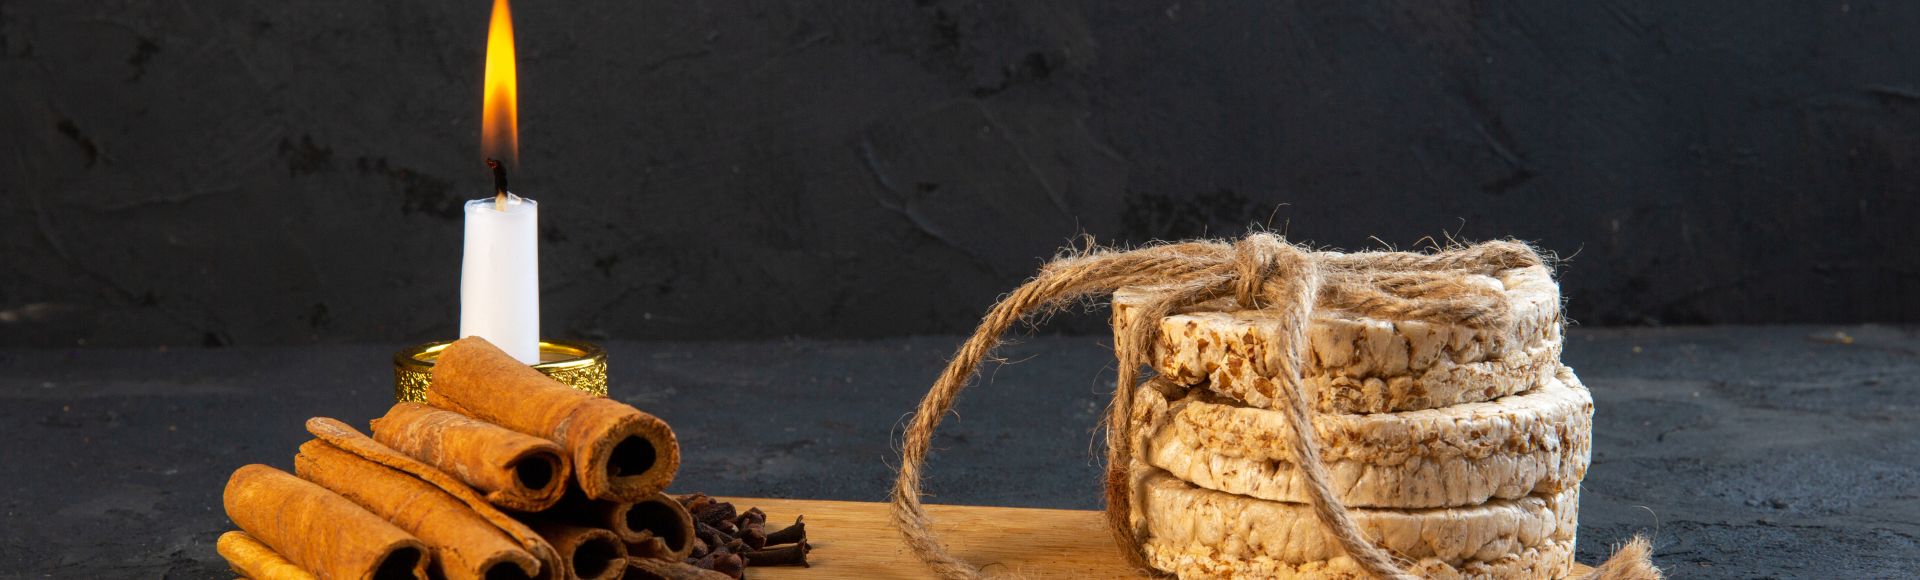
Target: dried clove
[(754, 536), (727, 541), (750, 517), (788, 555), (789, 535), (704, 561), (715, 541), (751, 528), (651, 569), (730, 564), (695, 502), (715, 513)]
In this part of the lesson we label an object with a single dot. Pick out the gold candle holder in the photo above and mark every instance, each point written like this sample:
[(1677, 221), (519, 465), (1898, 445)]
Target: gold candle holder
[(576, 363)]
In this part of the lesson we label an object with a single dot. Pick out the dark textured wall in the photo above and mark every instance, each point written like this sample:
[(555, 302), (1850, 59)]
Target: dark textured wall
[(283, 172)]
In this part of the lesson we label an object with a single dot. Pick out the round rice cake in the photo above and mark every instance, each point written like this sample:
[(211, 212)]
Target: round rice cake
[(1553, 559), (1357, 364), (1538, 442), (1210, 533)]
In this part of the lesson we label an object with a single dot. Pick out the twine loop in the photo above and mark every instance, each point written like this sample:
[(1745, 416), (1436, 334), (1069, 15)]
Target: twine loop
[(1259, 271)]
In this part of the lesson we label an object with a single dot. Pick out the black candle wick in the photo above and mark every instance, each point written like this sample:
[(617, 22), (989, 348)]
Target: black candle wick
[(499, 175)]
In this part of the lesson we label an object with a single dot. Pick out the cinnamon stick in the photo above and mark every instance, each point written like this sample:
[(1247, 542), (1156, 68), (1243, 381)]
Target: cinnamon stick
[(346, 438), (655, 527), (589, 553), (464, 544), (618, 452), (252, 559), (664, 527), (318, 530), (656, 569), (515, 470)]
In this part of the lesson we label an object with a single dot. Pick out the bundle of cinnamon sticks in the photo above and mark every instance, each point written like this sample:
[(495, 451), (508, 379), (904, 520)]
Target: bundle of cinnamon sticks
[(504, 473)]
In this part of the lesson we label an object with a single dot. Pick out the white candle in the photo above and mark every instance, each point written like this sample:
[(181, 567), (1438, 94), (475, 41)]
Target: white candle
[(500, 276)]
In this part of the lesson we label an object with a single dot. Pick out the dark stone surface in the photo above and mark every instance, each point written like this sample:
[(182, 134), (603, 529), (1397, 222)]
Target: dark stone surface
[(1745, 452), (289, 172)]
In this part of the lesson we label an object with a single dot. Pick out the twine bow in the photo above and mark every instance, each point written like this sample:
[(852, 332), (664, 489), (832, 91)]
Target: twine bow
[(1259, 271)]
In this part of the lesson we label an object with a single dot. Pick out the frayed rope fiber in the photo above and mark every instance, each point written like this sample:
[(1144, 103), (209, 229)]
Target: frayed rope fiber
[(1259, 271)]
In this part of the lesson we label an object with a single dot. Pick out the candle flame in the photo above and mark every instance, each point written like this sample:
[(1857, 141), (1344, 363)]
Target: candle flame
[(500, 117)]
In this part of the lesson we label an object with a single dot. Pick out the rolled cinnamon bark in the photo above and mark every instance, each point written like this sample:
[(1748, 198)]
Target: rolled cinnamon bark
[(589, 553), (618, 452), (655, 527), (515, 470), (347, 439), (252, 559), (656, 569), (464, 545), (318, 530)]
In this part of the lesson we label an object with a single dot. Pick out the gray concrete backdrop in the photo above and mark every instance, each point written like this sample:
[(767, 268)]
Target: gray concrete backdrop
[(228, 172)]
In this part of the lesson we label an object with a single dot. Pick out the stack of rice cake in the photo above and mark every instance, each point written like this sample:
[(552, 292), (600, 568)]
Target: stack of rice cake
[(1460, 450)]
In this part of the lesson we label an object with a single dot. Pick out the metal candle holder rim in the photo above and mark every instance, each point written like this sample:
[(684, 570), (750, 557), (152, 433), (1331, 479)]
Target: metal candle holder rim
[(577, 363)]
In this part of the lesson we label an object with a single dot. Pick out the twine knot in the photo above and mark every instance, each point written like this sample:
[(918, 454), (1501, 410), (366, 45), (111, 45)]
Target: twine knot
[(1266, 265)]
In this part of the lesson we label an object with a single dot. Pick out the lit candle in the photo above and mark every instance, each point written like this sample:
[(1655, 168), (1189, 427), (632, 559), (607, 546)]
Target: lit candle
[(500, 276), (500, 265)]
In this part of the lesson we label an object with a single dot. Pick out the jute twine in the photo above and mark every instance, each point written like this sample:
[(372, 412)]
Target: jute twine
[(1259, 271)]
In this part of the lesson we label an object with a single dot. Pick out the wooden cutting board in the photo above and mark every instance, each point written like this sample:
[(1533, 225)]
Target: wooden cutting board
[(856, 540)]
